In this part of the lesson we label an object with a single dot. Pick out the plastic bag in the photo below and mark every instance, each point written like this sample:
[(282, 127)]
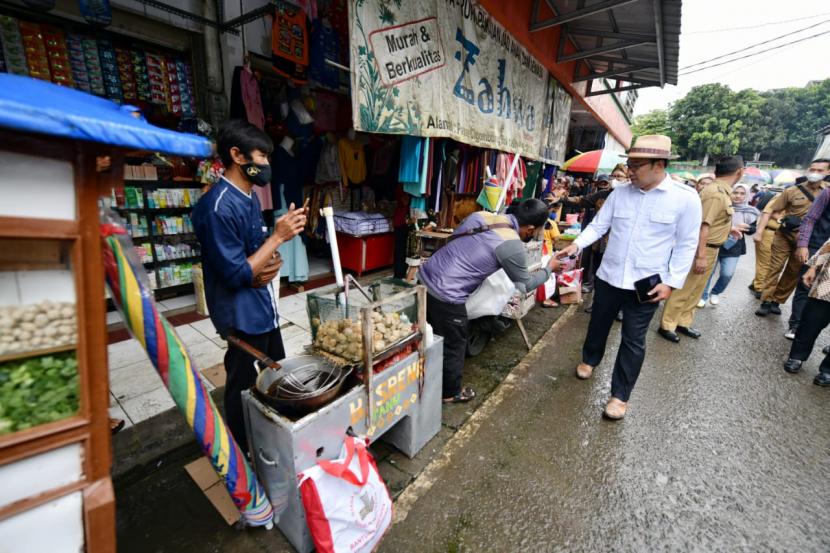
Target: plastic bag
[(491, 297), (347, 505)]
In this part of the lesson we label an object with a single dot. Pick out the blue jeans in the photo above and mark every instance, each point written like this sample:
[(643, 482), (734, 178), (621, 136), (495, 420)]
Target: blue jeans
[(725, 272)]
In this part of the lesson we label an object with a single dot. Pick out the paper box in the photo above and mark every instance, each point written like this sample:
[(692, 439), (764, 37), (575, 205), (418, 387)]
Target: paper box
[(201, 471)]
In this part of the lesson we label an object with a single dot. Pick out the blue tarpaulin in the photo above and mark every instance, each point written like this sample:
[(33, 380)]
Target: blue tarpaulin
[(37, 106)]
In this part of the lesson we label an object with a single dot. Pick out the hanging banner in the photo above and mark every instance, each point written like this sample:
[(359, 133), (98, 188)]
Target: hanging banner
[(445, 68), (556, 136)]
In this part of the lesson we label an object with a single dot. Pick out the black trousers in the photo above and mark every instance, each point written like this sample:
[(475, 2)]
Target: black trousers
[(450, 322), (608, 301), (799, 298), (239, 367), (401, 236), (814, 319)]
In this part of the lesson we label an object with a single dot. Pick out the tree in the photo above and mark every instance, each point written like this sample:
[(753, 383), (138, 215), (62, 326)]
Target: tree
[(707, 121), (776, 125), (654, 122)]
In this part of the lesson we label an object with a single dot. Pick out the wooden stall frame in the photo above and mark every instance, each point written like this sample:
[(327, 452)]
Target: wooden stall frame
[(90, 427), (367, 327)]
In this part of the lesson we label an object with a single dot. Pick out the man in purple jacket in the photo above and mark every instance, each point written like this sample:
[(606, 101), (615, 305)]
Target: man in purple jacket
[(480, 246)]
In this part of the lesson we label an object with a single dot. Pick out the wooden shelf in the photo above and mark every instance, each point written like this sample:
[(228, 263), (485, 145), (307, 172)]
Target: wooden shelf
[(37, 353)]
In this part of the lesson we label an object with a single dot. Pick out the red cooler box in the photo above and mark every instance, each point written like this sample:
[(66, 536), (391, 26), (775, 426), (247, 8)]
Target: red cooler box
[(366, 253)]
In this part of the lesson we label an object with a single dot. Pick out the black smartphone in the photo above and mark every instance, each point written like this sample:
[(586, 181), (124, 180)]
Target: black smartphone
[(646, 285)]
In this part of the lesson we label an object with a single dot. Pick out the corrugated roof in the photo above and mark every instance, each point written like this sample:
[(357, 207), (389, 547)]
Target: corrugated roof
[(634, 43)]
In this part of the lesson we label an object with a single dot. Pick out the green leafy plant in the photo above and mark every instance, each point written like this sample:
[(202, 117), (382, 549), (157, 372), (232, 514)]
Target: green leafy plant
[(37, 390)]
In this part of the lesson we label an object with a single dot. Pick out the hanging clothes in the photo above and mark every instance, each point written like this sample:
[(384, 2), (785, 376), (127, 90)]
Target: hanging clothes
[(286, 179), (289, 44), (328, 168), (410, 159), (293, 253), (352, 161), (325, 44), (251, 98), (534, 171)]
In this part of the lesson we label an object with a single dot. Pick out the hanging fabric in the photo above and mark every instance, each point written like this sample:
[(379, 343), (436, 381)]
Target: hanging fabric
[(289, 44)]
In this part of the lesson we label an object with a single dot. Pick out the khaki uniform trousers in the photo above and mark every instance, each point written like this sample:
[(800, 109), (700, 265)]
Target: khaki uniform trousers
[(681, 306), (782, 275), (762, 256)]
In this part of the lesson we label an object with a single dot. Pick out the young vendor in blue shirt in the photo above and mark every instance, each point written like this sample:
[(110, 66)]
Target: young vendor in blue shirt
[(240, 259)]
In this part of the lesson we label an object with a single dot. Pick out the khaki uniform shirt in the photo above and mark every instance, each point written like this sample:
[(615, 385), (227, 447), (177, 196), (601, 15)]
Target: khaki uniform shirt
[(772, 224), (792, 201), (717, 211)]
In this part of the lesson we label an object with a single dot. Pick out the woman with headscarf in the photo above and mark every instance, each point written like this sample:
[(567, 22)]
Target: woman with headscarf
[(744, 219)]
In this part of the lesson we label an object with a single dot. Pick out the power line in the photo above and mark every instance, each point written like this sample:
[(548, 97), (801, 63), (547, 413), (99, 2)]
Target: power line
[(756, 26), (754, 45), (778, 47)]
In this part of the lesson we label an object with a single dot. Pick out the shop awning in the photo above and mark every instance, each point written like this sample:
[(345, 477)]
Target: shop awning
[(37, 106), (630, 43)]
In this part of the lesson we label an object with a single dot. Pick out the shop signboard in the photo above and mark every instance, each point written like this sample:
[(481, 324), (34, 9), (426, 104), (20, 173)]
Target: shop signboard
[(445, 68), (560, 117)]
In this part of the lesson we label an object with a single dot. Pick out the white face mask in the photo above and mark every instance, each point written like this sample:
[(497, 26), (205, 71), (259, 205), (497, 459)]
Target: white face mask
[(615, 183), (814, 177)]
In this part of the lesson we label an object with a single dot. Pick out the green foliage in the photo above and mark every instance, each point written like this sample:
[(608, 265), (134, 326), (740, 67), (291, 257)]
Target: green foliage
[(37, 390), (779, 125), (653, 122)]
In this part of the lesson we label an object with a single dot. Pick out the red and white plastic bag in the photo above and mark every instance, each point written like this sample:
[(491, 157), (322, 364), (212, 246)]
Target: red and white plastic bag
[(569, 279), (347, 505)]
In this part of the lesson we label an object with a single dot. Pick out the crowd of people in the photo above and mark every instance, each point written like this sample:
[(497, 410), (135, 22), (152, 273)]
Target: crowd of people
[(696, 250), (645, 238)]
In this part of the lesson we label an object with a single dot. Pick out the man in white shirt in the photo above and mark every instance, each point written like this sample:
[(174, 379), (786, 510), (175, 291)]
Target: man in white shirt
[(653, 224)]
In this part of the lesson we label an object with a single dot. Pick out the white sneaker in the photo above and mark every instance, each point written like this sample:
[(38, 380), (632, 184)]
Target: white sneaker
[(701, 304), (714, 299), (790, 334)]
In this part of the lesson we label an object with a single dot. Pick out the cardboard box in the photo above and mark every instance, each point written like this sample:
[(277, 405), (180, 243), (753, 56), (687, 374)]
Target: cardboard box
[(571, 297), (216, 375), (202, 473)]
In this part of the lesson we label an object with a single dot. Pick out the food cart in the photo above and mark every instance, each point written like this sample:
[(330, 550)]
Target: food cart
[(56, 493), (371, 371)]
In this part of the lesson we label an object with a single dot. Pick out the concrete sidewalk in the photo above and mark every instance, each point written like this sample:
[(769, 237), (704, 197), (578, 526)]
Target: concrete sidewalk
[(160, 509), (721, 450)]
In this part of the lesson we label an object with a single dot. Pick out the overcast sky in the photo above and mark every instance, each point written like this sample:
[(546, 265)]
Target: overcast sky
[(793, 65)]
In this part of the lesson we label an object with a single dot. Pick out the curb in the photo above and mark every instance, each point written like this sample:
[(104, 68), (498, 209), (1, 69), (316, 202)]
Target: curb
[(425, 480)]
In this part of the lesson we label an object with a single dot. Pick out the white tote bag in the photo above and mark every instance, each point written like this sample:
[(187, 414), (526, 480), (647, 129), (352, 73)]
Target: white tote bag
[(347, 506), (491, 297)]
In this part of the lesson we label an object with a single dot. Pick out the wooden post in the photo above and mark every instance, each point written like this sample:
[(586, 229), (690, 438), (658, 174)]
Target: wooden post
[(422, 345), (368, 328)]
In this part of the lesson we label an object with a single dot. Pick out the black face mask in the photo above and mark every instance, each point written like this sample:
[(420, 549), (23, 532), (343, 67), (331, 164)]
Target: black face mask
[(258, 174)]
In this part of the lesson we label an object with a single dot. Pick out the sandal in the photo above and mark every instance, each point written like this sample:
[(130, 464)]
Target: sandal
[(465, 395), (116, 425), (550, 304)]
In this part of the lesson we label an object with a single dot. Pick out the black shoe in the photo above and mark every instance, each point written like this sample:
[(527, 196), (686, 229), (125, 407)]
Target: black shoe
[(757, 294), (689, 331), (774, 309), (668, 335), (822, 379), (792, 366), (763, 311), (825, 350), (752, 288)]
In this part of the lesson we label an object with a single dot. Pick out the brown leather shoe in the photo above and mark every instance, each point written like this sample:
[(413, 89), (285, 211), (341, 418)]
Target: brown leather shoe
[(583, 371), (615, 409)]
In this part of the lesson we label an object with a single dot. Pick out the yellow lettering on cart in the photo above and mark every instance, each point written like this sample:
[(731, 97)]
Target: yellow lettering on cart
[(356, 410)]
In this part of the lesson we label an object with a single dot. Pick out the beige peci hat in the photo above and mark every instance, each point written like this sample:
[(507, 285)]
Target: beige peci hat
[(652, 146)]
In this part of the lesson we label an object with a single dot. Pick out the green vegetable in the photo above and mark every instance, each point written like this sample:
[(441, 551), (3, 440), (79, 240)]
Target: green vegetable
[(37, 390)]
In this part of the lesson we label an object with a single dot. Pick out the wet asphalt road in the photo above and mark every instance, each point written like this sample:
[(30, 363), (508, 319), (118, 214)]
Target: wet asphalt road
[(721, 450)]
